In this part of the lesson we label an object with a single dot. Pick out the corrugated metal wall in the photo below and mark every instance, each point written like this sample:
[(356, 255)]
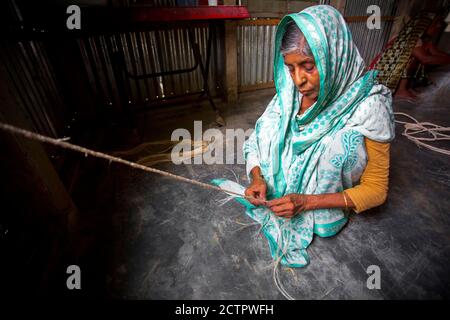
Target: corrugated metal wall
[(164, 50), (255, 45), (144, 52), (33, 80), (256, 42), (149, 52), (35, 85), (369, 41)]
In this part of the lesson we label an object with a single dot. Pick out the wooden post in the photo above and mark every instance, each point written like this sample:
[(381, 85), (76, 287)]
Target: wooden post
[(231, 62), (231, 67)]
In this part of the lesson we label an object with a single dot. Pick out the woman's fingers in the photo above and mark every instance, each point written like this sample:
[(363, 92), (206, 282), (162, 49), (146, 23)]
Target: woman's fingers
[(282, 208), (251, 192), (257, 191), (259, 202), (252, 201), (258, 194), (285, 214), (262, 191), (277, 202)]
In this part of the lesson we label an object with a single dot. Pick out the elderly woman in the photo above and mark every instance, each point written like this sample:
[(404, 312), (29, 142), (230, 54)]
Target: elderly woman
[(327, 129)]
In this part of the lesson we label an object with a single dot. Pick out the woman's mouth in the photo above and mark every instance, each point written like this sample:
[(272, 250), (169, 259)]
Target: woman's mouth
[(305, 92)]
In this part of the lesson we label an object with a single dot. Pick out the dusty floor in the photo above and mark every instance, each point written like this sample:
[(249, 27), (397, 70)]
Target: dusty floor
[(155, 238)]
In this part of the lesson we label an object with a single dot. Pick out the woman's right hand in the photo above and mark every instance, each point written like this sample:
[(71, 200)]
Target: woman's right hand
[(257, 190)]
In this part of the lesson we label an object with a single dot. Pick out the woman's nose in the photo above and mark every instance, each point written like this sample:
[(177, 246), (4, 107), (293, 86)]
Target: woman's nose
[(299, 78)]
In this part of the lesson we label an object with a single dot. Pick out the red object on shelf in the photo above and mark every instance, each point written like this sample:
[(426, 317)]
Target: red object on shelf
[(190, 13), (108, 19)]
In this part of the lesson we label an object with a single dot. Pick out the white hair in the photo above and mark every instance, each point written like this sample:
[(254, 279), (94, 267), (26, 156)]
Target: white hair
[(294, 41)]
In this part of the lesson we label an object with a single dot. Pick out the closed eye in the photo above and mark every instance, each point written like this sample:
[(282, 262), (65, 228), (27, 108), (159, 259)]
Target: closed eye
[(290, 67), (309, 66)]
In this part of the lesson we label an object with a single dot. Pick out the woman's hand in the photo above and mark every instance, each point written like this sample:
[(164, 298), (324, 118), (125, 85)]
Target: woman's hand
[(289, 205), (257, 189)]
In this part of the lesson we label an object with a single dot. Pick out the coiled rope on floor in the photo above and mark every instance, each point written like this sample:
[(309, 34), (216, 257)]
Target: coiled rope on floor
[(414, 131)]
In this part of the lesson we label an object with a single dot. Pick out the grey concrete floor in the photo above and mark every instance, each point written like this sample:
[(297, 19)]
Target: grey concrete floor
[(170, 240)]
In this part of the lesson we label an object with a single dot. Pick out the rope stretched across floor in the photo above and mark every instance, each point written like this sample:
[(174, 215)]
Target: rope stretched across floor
[(411, 129), (64, 144), (67, 145)]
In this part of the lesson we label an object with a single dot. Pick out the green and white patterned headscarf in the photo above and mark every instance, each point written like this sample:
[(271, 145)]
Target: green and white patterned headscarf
[(322, 150), (343, 84)]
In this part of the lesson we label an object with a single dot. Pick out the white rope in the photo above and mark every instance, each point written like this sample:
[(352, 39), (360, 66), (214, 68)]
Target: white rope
[(412, 129), (276, 273)]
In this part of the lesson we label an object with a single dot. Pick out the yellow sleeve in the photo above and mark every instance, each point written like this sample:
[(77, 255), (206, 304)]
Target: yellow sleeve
[(374, 182)]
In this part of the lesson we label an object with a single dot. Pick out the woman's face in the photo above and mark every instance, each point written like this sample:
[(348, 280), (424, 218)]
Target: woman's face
[(304, 73)]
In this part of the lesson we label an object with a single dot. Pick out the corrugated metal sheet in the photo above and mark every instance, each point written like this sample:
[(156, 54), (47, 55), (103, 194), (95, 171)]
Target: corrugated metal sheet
[(255, 54), (256, 42), (359, 7), (35, 85), (148, 52), (33, 80), (370, 41)]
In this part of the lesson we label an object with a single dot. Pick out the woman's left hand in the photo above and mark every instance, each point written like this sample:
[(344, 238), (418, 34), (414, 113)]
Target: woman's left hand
[(289, 205)]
